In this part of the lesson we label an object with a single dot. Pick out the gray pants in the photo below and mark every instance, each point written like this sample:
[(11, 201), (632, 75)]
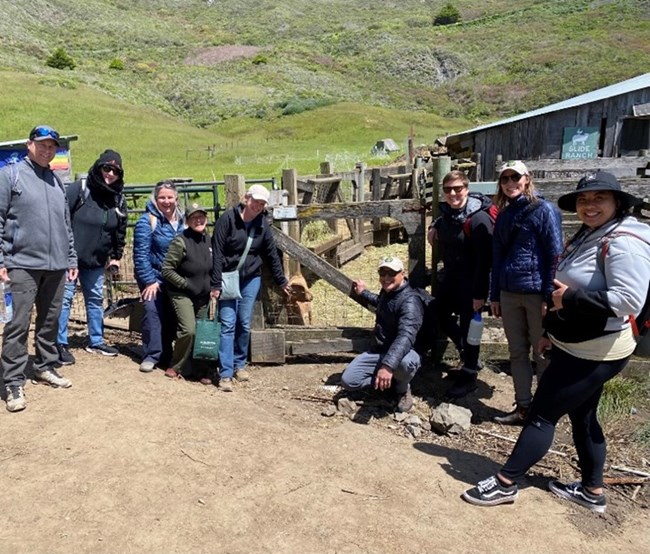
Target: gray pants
[(29, 288), (361, 371), (522, 323)]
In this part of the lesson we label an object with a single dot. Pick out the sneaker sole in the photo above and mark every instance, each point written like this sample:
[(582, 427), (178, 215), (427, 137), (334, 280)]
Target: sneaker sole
[(67, 363), (561, 493), (16, 408), (37, 381), (95, 351), (501, 500)]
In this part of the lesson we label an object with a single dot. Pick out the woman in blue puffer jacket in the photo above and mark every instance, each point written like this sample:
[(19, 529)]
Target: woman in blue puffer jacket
[(153, 233), (527, 240)]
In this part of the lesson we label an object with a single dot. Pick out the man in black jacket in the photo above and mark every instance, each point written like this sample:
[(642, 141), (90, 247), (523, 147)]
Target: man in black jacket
[(392, 362)]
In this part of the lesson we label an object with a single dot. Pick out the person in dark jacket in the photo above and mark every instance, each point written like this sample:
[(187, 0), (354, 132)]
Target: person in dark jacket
[(464, 233), (98, 213), (186, 271), (527, 242), (153, 232), (229, 241), (393, 361)]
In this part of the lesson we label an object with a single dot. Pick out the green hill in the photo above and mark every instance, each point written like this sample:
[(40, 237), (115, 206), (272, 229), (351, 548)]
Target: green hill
[(236, 74)]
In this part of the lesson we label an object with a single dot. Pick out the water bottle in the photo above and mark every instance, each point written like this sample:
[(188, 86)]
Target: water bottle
[(475, 329), (6, 304)]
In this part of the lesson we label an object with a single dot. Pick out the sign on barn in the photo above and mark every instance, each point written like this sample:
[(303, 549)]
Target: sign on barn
[(13, 151), (580, 142)]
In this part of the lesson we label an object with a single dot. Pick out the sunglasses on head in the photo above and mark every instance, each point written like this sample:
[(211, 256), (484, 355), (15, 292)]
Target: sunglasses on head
[(108, 168), (43, 131), (514, 177), (449, 190)]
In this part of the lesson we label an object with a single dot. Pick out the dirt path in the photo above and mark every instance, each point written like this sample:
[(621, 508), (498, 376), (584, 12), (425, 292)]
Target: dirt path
[(127, 462)]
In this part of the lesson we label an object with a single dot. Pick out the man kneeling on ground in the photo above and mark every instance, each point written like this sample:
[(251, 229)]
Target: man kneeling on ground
[(392, 362)]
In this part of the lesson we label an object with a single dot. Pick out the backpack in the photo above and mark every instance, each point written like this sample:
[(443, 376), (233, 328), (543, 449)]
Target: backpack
[(640, 322), (492, 212)]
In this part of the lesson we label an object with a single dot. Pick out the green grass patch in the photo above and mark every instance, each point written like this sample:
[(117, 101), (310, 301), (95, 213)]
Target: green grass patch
[(620, 395)]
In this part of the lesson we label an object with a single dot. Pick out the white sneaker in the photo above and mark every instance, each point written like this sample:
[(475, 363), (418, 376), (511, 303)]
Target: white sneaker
[(15, 398), (52, 377)]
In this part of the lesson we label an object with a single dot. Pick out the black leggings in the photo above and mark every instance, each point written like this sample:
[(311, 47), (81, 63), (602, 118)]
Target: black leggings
[(570, 386)]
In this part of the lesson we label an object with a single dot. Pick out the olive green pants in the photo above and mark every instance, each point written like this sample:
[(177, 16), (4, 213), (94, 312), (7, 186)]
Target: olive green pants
[(187, 311)]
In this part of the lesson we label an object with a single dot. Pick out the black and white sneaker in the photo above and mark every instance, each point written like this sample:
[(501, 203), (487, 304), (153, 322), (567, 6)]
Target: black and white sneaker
[(575, 492), (490, 492), (65, 356), (102, 349)]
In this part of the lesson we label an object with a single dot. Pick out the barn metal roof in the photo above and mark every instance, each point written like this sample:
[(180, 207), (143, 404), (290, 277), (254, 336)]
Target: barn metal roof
[(636, 83)]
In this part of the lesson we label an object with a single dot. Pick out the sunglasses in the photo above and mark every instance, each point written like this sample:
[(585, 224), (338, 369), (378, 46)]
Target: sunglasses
[(107, 168), (43, 131), (513, 177), (387, 273), (449, 190)]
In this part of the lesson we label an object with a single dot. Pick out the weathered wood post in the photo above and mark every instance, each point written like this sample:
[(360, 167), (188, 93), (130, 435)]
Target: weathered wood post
[(375, 181), (235, 186), (497, 165), (441, 165), (290, 184), (358, 193)]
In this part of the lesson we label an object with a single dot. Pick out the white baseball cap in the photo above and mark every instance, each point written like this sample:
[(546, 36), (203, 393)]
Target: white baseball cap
[(514, 165), (259, 192), (391, 262)]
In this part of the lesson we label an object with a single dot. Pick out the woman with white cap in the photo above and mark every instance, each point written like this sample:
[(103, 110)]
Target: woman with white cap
[(601, 280), (242, 241), (526, 242)]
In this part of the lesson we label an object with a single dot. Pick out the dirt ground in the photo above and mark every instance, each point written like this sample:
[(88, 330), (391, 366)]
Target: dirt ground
[(132, 462)]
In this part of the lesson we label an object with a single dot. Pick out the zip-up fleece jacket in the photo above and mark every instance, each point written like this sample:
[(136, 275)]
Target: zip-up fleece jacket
[(98, 219), (34, 219), (150, 245), (603, 289), (229, 241), (399, 318), (187, 265), (526, 242), (467, 259)]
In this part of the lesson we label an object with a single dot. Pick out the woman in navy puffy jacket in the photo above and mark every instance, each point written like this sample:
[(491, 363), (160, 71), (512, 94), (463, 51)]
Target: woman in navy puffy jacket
[(527, 240), (154, 231)]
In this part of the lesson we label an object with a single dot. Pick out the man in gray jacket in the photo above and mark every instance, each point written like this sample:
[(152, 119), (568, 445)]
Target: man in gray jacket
[(36, 253)]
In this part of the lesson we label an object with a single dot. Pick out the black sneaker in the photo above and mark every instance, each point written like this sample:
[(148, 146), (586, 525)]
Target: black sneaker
[(575, 492), (490, 492), (464, 384), (65, 357), (102, 349)]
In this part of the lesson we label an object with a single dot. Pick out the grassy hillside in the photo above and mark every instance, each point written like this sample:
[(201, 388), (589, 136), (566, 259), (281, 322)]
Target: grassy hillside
[(156, 146), (506, 56)]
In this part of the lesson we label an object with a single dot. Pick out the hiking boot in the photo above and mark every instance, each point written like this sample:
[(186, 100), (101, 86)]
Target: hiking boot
[(65, 357), (516, 417), (491, 492), (464, 384), (225, 384), (147, 366), (405, 402), (102, 349), (53, 378), (15, 398), (575, 492), (242, 375)]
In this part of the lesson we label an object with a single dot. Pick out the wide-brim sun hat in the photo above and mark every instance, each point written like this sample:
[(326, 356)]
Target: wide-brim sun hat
[(598, 181)]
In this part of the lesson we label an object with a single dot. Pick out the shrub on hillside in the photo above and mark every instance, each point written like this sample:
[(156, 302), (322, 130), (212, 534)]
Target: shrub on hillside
[(260, 59), (116, 64), (60, 59), (447, 15), (298, 105)]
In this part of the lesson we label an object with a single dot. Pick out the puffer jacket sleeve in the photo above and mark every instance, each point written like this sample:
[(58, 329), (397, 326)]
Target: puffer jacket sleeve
[(551, 243), (498, 257), (142, 237), (409, 320)]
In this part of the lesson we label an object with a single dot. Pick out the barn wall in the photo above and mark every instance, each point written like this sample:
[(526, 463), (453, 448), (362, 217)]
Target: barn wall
[(541, 136)]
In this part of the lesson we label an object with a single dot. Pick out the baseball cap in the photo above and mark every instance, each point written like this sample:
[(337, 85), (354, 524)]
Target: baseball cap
[(259, 192), (193, 208), (391, 262), (44, 132), (514, 165)]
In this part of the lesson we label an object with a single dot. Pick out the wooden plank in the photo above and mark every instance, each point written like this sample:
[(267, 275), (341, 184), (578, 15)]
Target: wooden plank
[(268, 346), (327, 245), (324, 180), (328, 345), (344, 255), (297, 333), (343, 210)]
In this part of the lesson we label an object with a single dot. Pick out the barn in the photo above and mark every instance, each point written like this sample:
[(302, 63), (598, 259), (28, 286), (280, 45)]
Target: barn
[(611, 122)]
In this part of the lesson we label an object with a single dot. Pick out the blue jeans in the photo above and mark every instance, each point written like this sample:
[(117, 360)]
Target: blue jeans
[(158, 329), (92, 287), (236, 316), (360, 372)]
